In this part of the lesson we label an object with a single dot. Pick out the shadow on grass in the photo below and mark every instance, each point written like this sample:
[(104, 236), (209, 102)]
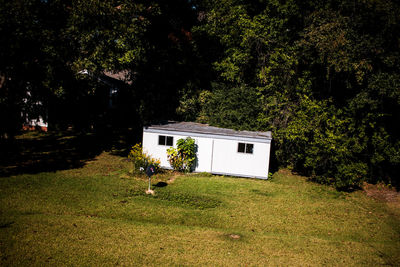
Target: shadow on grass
[(34, 152), (161, 184), (6, 225)]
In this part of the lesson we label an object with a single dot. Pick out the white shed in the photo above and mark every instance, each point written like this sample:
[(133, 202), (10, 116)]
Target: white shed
[(219, 151)]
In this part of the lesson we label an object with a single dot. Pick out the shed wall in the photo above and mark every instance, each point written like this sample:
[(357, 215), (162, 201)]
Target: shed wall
[(226, 159), (216, 155), (204, 150)]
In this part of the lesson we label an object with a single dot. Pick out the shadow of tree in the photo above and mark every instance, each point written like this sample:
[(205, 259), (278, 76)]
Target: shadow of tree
[(34, 152)]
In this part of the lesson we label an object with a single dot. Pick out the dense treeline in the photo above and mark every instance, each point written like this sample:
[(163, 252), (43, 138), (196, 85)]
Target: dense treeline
[(324, 76)]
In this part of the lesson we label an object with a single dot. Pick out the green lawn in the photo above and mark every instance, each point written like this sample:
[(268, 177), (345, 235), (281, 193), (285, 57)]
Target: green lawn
[(99, 215)]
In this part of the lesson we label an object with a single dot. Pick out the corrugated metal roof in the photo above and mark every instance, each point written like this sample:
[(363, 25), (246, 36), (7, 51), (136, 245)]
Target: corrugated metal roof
[(193, 127)]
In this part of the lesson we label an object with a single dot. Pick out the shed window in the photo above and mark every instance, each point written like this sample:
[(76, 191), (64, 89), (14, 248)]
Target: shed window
[(245, 148), (165, 140)]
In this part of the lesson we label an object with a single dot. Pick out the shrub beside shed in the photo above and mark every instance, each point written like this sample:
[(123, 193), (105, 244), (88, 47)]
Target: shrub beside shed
[(219, 150)]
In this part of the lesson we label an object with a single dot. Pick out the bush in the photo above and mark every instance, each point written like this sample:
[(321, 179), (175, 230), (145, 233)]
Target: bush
[(140, 160), (183, 158), (234, 107)]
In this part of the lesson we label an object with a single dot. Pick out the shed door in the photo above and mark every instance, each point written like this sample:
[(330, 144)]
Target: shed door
[(225, 158)]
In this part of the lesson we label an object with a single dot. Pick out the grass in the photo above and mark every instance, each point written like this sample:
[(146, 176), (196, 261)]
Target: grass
[(99, 215)]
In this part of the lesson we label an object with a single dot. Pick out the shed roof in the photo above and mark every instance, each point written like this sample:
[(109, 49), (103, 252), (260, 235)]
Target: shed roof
[(193, 127)]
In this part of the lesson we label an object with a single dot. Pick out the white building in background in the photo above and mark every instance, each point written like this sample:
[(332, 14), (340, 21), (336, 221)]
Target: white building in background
[(219, 151), (35, 124), (33, 113)]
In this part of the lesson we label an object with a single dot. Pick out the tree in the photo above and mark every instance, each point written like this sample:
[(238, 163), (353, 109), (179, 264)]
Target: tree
[(148, 39), (32, 58), (47, 44), (326, 79)]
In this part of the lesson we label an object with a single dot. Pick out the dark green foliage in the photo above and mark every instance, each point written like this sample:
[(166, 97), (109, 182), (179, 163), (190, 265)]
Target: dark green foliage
[(183, 157), (47, 45), (33, 58), (232, 107), (327, 83)]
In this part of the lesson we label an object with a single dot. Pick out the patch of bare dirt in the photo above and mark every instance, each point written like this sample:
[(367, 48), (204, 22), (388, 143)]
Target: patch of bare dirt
[(234, 236), (173, 177), (382, 192)]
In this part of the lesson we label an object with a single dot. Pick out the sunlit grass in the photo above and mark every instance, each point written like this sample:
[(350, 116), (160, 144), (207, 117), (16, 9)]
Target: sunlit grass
[(100, 215)]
